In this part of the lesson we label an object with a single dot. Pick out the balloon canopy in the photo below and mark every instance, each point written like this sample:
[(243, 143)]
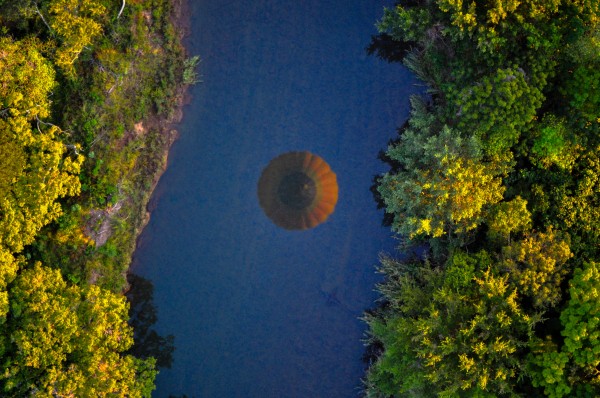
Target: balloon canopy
[(298, 190)]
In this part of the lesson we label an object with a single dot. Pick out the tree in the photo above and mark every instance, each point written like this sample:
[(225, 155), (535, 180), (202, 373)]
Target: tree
[(537, 265), (442, 185), (553, 144), (8, 271), (497, 107), (76, 24), (40, 171), (571, 369), (26, 79), (571, 202), (68, 341), (452, 331), (507, 218)]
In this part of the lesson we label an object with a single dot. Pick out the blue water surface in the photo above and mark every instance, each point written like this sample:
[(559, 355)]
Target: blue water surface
[(258, 311)]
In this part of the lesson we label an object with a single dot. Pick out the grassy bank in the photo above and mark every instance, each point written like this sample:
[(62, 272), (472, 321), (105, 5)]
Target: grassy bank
[(121, 111)]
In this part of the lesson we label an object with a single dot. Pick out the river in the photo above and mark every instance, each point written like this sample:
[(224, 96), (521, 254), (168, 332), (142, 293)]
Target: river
[(256, 310)]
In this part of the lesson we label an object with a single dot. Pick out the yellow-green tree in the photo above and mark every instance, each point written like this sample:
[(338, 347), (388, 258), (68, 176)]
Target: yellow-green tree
[(63, 340), (40, 171), (508, 218), (537, 265), (8, 271), (442, 184), (76, 23)]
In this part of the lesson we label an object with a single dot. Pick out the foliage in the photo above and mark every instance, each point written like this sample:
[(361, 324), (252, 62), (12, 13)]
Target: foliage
[(507, 218), (503, 164), (572, 201), (554, 145), (190, 76), (83, 102), (453, 331), (536, 264), (497, 107), (66, 341), (571, 370), (39, 172), (442, 186), (582, 88), (74, 22)]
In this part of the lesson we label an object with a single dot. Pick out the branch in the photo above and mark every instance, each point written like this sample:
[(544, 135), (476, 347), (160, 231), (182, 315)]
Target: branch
[(44, 123), (73, 148), (44, 19), (121, 10)]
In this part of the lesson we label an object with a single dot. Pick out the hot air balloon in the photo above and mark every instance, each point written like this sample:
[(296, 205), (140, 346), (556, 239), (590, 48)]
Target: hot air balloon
[(298, 190)]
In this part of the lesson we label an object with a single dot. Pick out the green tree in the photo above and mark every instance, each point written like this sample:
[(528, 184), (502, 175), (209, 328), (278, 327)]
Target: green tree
[(442, 185), (553, 144), (572, 368), (497, 107), (571, 202), (457, 331)]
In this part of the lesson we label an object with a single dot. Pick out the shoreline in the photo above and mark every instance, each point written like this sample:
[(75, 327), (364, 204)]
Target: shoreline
[(168, 126), (168, 129), (141, 155)]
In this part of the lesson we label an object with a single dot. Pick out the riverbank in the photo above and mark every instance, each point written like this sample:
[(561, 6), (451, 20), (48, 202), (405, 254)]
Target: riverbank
[(180, 19), (90, 95), (123, 112)]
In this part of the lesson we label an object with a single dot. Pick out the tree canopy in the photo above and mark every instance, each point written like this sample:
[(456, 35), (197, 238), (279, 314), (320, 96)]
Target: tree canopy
[(496, 177), (75, 78)]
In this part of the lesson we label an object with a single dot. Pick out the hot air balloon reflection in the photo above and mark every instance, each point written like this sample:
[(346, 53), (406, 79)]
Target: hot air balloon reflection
[(298, 190)]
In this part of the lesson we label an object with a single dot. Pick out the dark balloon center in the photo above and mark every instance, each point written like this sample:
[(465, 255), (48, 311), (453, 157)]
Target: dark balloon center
[(297, 190)]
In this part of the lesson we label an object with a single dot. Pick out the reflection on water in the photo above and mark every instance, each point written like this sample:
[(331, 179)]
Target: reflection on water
[(142, 316), (298, 190), (387, 49), (259, 311)]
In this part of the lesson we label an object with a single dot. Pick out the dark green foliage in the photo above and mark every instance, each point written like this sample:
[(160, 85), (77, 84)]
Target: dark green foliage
[(497, 108), (454, 329), (571, 368), (500, 178)]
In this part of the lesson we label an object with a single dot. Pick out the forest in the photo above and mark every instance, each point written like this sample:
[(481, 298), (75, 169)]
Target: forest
[(496, 176), (88, 93)]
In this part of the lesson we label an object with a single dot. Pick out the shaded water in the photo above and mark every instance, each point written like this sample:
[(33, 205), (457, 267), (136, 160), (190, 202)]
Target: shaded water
[(256, 310)]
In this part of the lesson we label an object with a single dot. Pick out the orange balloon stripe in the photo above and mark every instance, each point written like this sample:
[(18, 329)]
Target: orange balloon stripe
[(326, 207), (319, 214), (311, 220), (330, 196), (318, 164), (306, 160), (328, 182), (323, 203)]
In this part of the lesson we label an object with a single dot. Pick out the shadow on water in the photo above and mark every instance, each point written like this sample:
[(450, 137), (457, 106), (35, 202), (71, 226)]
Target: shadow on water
[(395, 166), (143, 315), (388, 49)]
